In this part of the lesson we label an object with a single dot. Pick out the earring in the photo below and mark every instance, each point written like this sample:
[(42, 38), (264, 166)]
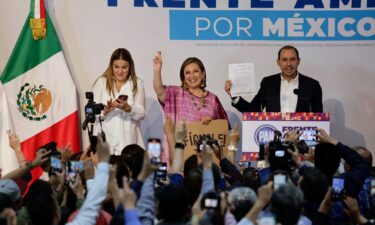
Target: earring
[(203, 83)]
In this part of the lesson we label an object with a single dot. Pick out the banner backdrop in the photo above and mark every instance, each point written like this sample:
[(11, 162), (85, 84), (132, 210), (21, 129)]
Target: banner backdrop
[(335, 38)]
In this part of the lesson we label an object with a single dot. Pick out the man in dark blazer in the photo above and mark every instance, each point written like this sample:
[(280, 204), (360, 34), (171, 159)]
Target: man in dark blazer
[(288, 91)]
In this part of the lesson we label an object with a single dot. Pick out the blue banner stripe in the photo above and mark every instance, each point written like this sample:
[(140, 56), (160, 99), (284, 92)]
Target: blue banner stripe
[(112, 3), (272, 25)]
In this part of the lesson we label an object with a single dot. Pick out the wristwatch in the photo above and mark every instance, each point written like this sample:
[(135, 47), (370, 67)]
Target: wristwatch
[(232, 148)]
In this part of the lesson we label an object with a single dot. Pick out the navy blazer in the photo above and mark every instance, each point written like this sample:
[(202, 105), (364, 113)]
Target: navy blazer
[(268, 96)]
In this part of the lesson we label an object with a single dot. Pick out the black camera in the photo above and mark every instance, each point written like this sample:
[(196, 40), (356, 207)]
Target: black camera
[(209, 141), (91, 109), (302, 147), (279, 157)]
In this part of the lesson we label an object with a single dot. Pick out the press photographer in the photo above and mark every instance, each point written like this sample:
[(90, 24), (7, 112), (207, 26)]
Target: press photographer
[(278, 156)]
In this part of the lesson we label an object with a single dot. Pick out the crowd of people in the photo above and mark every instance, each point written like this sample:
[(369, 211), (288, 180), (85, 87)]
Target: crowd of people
[(116, 182)]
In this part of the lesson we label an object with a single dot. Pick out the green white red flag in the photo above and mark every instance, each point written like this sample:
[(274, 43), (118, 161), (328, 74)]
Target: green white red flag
[(39, 91)]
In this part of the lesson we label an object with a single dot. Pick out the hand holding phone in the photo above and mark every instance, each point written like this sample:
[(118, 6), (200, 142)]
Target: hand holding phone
[(123, 97), (154, 150), (338, 191), (309, 136), (55, 159), (161, 174)]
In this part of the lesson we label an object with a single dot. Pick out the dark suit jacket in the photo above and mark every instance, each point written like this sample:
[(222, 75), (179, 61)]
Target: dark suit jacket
[(268, 96)]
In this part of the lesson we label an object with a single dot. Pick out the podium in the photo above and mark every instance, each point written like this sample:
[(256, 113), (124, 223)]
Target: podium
[(259, 127)]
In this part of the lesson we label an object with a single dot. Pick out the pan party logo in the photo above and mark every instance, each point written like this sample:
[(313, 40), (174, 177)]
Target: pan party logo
[(34, 101)]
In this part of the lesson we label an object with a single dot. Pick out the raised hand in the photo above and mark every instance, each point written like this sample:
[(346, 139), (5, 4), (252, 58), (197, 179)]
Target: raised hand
[(324, 137), (14, 140), (181, 132), (157, 62), (228, 86)]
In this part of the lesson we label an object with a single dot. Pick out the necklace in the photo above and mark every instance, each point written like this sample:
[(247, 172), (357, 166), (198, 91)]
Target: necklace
[(202, 100)]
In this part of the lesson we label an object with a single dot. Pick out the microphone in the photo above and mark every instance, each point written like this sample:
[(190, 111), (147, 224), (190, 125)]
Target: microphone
[(296, 92)]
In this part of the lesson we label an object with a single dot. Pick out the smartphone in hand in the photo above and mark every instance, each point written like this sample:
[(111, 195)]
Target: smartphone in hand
[(309, 137), (55, 159), (338, 191), (154, 150), (122, 97)]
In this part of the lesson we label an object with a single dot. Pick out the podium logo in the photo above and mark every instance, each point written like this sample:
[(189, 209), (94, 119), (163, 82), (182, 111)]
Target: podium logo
[(264, 134)]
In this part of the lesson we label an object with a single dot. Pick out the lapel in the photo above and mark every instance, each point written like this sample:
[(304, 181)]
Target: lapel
[(301, 87), (277, 88)]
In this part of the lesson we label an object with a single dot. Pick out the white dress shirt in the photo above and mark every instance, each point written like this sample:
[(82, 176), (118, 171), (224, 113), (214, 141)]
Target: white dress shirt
[(288, 99), (121, 128)]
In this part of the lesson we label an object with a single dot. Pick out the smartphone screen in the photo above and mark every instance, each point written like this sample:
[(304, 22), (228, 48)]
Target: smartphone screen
[(309, 137), (337, 188), (241, 165), (161, 172), (211, 203), (55, 160), (154, 150), (76, 166), (278, 180)]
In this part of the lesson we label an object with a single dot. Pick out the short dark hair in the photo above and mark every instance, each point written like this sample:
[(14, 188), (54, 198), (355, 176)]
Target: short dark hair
[(314, 185), (173, 203), (39, 201), (132, 155), (287, 47), (327, 158)]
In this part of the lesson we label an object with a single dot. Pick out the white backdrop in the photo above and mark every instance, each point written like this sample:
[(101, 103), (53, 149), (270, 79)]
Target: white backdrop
[(90, 30)]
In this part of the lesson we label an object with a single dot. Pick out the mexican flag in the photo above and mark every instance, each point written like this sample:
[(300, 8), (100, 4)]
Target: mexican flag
[(40, 94)]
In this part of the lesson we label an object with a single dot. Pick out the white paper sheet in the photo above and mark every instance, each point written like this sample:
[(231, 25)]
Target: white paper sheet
[(243, 78)]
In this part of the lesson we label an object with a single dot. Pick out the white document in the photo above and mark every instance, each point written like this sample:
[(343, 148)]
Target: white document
[(243, 79)]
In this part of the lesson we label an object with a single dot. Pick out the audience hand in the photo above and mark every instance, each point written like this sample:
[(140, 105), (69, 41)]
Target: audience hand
[(197, 211), (66, 153), (77, 187), (41, 159), (207, 156), (181, 132), (102, 150), (147, 168), (14, 140), (353, 211), (295, 157), (127, 195), (10, 216), (265, 193), (293, 136), (228, 86), (325, 205), (322, 136)]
